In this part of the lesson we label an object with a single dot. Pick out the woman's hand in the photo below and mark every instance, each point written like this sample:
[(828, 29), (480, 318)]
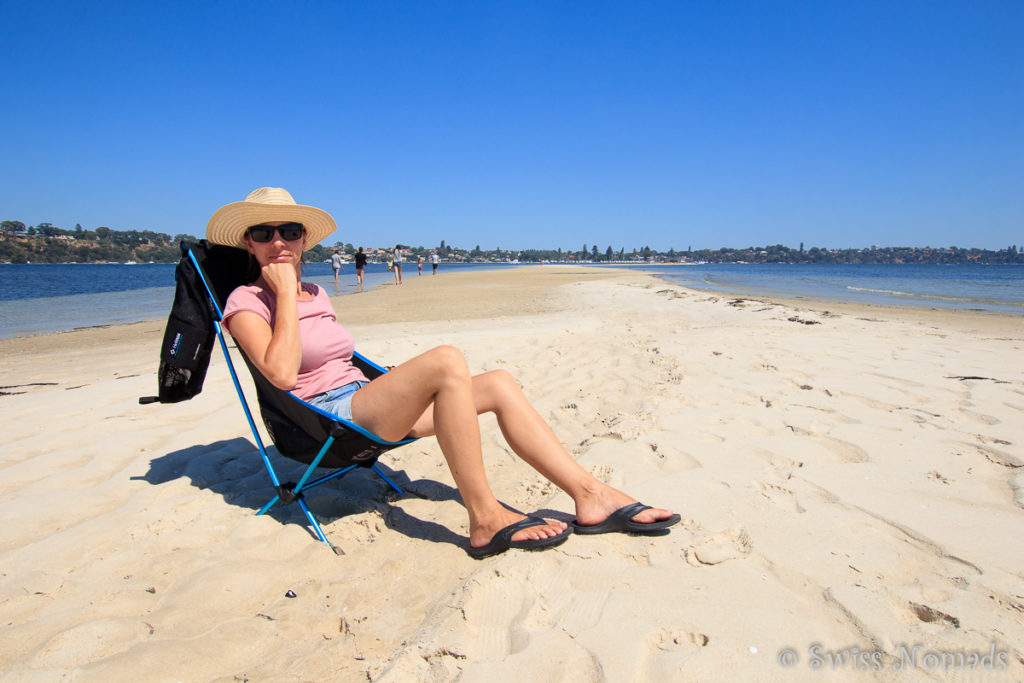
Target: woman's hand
[(277, 350), (281, 278)]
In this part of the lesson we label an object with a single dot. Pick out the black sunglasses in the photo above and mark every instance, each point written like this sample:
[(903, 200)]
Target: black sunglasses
[(289, 232)]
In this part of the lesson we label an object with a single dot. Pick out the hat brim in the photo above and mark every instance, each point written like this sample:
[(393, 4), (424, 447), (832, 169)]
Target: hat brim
[(228, 224)]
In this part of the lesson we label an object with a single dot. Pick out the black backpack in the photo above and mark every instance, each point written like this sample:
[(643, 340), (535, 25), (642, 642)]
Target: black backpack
[(189, 336)]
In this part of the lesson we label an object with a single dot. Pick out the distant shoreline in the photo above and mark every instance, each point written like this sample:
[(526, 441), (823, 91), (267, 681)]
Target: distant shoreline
[(45, 243)]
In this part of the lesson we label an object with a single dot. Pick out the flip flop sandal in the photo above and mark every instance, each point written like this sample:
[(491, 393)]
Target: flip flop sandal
[(502, 540), (622, 520)]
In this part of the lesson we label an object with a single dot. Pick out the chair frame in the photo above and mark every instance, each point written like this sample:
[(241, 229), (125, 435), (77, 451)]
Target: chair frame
[(293, 492)]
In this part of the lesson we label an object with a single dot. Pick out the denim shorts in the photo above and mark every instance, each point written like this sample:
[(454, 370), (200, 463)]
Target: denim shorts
[(338, 401)]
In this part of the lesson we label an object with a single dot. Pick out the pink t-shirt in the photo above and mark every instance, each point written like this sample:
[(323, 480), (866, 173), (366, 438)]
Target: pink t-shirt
[(326, 346)]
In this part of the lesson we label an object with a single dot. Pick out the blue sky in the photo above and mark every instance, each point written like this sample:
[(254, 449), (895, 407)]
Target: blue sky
[(525, 124)]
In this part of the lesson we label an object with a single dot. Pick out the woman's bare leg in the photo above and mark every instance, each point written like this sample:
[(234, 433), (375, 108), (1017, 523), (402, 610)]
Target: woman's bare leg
[(439, 382), (531, 438)]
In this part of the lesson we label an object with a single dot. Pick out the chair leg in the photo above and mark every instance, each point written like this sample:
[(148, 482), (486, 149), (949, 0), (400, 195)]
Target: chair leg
[(309, 516), (333, 475), (316, 527), (272, 503), (386, 479)]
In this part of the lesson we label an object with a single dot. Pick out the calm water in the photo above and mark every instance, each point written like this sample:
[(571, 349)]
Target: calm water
[(37, 298), (970, 287)]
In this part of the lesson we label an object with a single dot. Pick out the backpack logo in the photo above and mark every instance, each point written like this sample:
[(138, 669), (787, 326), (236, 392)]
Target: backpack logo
[(175, 344)]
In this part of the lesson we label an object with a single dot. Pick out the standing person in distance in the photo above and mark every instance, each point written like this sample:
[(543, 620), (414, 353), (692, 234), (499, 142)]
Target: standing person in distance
[(336, 264), (360, 267), (396, 257)]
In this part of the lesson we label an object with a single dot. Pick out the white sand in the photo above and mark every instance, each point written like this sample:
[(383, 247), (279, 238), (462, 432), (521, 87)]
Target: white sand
[(841, 484)]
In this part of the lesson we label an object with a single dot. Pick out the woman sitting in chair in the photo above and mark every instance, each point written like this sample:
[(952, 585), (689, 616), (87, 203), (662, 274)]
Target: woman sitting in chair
[(289, 331)]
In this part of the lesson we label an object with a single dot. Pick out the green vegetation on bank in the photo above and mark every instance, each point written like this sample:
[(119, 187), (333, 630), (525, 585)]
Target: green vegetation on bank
[(45, 243)]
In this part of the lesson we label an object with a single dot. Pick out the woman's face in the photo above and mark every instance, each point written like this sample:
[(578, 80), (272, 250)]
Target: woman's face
[(277, 249)]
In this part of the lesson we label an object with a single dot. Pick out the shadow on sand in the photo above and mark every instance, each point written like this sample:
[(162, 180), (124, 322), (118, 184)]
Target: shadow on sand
[(234, 470)]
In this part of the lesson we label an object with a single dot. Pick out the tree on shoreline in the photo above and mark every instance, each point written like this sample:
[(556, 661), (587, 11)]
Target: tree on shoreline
[(46, 243)]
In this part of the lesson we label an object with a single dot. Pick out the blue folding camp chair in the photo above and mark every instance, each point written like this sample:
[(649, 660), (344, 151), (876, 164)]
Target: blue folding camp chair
[(205, 277)]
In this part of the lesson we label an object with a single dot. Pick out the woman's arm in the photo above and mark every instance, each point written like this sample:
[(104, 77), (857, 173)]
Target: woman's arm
[(277, 351)]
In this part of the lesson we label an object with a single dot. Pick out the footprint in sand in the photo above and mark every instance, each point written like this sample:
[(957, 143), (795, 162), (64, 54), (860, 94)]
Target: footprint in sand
[(932, 615), (678, 640), (730, 544), (533, 493), (670, 655), (780, 463), (1017, 487), (998, 457), (843, 451), (782, 497)]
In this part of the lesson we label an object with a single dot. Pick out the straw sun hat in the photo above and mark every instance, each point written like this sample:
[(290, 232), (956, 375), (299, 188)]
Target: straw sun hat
[(267, 205)]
